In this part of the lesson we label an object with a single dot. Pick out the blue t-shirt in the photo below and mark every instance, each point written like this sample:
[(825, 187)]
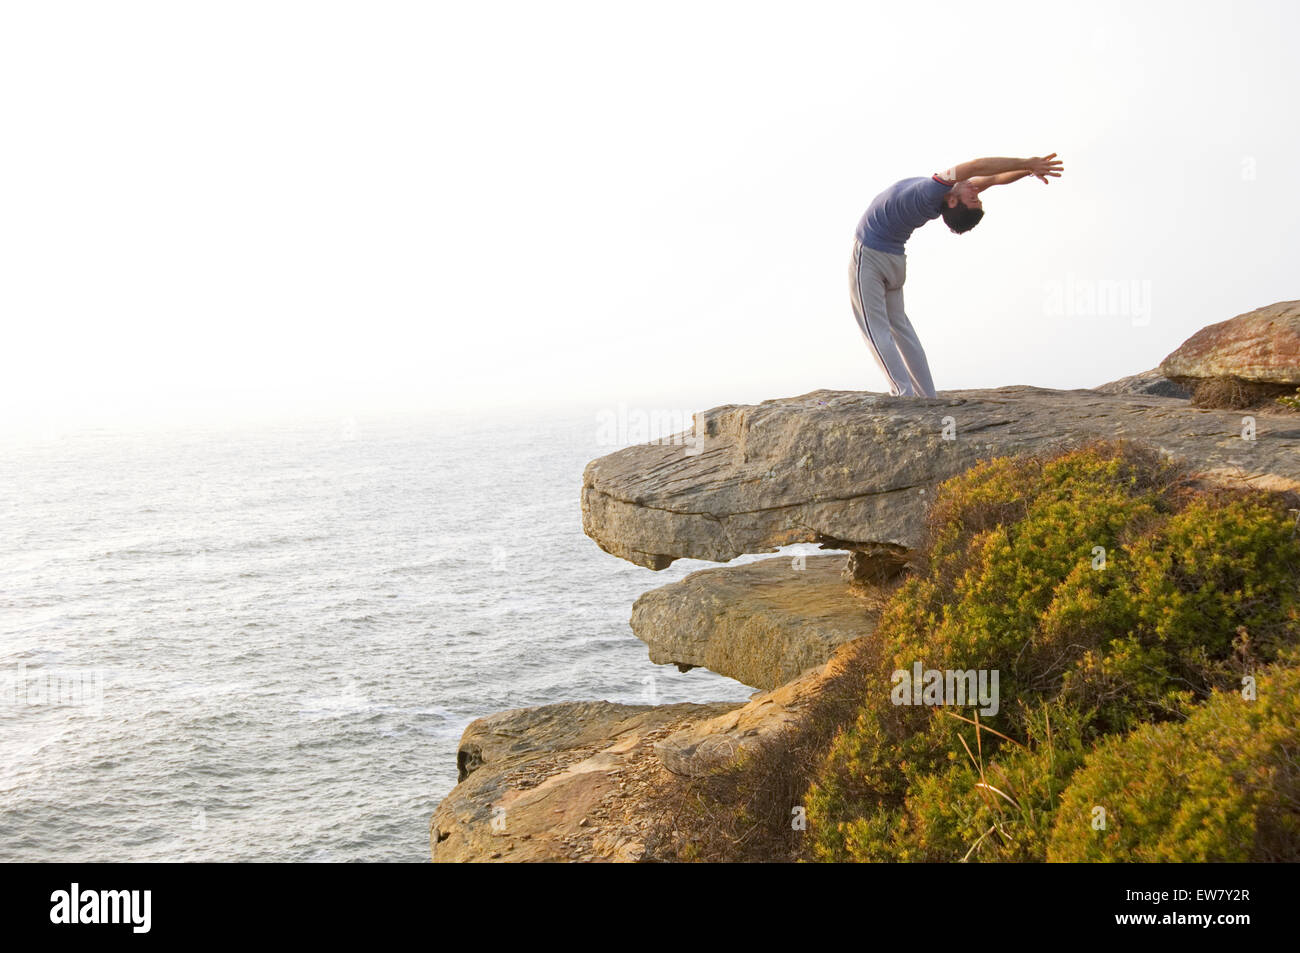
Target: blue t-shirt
[(900, 210)]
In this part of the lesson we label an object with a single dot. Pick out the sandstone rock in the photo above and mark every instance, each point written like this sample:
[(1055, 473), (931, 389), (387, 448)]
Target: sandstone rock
[(763, 724), (859, 468), (559, 782), (1148, 382), (762, 623), (547, 729), (589, 781), (1261, 346)]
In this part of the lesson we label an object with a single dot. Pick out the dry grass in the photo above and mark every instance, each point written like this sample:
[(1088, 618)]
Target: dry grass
[(1233, 393)]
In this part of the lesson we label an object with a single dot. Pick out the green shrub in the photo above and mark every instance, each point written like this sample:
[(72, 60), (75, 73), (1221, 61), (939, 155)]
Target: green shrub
[(1222, 786), (1195, 589)]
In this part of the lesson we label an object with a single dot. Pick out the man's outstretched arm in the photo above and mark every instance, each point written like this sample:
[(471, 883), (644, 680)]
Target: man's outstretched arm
[(992, 171), (982, 182)]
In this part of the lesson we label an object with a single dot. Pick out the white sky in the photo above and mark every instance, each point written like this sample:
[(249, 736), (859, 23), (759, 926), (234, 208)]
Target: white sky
[(257, 208)]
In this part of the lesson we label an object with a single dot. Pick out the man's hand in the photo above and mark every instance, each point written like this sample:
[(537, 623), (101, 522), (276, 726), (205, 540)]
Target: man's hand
[(1046, 167)]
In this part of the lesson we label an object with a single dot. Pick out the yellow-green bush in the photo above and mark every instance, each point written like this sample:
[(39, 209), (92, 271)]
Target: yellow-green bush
[(1196, 589), (1222, 786)]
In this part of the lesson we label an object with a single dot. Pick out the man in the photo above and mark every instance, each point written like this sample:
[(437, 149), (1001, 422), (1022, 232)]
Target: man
[(879, 264)]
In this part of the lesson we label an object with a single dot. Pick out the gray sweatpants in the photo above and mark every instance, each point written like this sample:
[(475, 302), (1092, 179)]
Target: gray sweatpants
[(876, 286)]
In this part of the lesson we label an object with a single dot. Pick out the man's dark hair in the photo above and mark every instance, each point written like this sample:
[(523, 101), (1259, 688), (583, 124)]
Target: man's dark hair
[(961, 218)]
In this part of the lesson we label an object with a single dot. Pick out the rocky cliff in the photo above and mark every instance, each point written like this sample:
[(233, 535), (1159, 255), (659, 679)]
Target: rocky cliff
[(851, 471)]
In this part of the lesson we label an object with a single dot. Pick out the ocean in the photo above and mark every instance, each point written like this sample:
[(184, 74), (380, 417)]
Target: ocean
[(263, 644)]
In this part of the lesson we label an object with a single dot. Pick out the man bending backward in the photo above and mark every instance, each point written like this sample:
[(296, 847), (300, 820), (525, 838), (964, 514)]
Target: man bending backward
[(879, 265)]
